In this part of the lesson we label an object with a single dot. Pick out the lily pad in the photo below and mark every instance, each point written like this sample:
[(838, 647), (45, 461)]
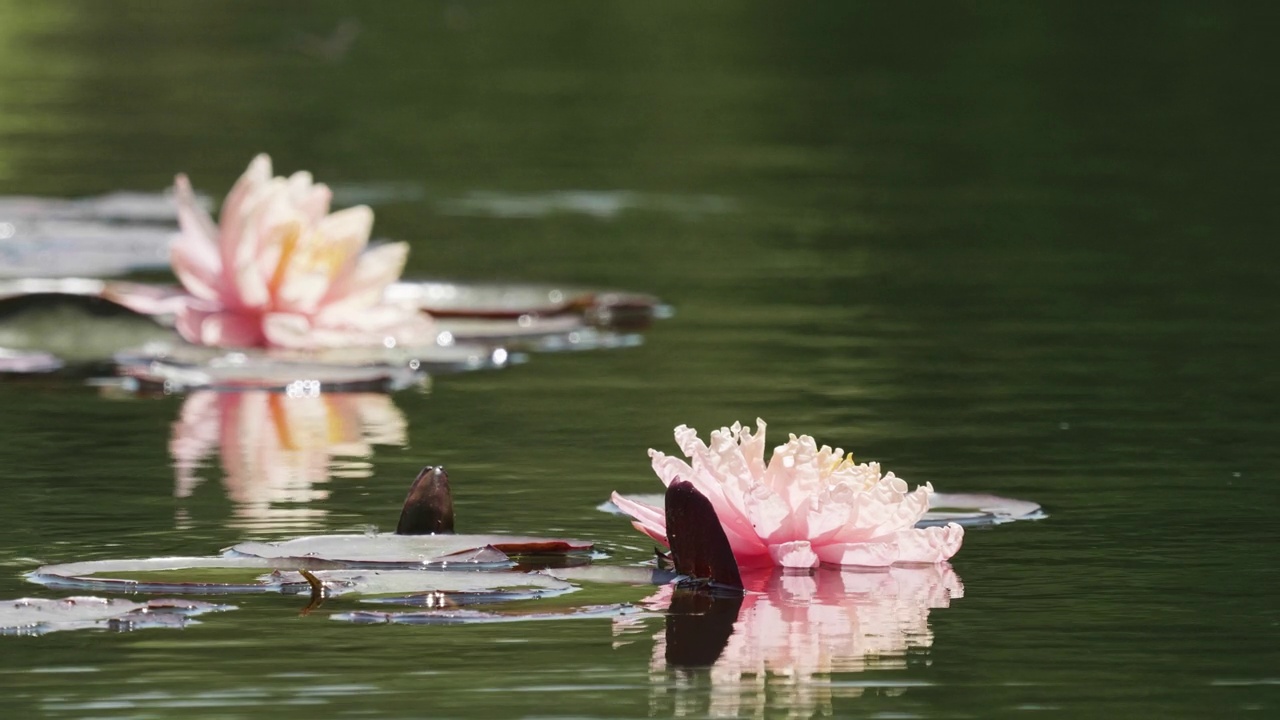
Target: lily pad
[(969, 510), (614, 574), (118, 208), (478, 326), (391, 550), (179, 367), (429, 585), (433, 588), (87, 575), (25, 361), (69, 247), (972, 510), (38, 616), (602, 308)]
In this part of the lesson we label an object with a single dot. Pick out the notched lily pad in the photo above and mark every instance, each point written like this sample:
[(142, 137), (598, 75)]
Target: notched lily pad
[(472, 617), (38, 616), (391, 550), (88, 575), (431, 588), (422, 586)]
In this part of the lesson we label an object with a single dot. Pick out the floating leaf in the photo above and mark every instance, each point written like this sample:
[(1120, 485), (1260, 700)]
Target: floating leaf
[(25, 361), (187, 367), (116, 208), (469, 617), (435, 586), (450, 587), (388, 549), (37, 317), (969, 510), (37, 616), (529, 303), (613, 574), (85, 575), (973, 510), (477, 326)]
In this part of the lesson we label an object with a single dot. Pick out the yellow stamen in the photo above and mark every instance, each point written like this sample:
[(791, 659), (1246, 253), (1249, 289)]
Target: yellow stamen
[(291, 232)]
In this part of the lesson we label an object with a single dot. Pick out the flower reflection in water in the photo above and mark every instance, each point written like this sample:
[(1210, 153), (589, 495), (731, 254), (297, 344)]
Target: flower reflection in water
[(277, 449), (784, 642)]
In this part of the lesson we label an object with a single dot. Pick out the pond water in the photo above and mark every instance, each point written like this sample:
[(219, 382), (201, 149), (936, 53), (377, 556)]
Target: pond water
[(1022, 249)]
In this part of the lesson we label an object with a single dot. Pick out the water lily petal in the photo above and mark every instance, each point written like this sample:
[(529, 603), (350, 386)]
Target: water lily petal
[(218, 328), (309, 264), (194, 253), (928, 545), (650, 520), (364, 284), (249, 184)]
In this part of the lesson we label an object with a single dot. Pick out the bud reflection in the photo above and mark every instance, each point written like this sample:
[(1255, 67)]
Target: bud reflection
[(277, 450)]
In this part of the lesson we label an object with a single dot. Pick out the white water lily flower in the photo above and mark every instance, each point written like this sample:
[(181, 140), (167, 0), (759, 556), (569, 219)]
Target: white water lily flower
[(809, 505)]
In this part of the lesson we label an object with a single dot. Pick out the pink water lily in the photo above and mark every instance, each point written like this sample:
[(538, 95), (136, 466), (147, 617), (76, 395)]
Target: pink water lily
[(280, 270), (807, 506)]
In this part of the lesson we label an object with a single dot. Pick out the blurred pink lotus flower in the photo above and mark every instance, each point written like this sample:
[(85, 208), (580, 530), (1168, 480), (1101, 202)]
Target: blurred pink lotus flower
[(278, 450), (280, 270), (807, 506)]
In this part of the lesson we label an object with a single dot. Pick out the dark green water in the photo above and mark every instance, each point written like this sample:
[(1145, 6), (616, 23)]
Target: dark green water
[(1017, 248)]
